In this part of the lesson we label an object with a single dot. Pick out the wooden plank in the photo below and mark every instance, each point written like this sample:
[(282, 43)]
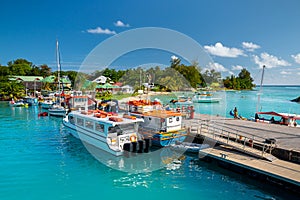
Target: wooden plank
[(278, 169)]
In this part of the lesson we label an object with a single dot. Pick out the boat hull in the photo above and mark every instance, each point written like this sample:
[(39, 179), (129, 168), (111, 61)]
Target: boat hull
[(57, 112), (46, 105), (17, 104), (163, 139), (31, 101), (91, 138), (207, 100)]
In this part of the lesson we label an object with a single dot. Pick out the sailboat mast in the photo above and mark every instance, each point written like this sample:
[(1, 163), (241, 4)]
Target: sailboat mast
[(260, 88), (58, 67)]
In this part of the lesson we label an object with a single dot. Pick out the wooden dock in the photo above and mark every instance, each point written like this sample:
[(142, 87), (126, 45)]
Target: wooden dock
[(242, 134), (279, 170), (250, 146)]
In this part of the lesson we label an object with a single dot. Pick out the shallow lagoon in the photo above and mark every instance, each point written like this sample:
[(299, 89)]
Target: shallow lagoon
[(39, 160)]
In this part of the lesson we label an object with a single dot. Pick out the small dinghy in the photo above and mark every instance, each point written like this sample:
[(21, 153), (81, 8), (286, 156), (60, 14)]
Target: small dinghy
[(189, 147), (43, 114)]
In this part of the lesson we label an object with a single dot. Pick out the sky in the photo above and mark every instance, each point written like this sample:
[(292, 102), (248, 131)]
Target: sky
[(235, 34)]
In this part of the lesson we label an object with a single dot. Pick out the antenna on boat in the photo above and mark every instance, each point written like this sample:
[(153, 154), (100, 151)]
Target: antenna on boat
[(260, 88)]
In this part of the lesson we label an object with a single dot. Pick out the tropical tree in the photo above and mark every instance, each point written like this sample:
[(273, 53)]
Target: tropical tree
[(190, 73), (11, 89), (45, 70), (20, 67), (211, 76), (244, 81)]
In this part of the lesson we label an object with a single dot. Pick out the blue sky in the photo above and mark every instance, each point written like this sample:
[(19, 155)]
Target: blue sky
[(235, 34)]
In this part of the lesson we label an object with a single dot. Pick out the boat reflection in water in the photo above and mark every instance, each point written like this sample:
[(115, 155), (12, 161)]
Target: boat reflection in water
[(138, 162)]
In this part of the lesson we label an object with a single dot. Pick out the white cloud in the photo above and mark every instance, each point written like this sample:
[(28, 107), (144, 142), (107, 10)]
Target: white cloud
[(296, 58), (174, 57), (269, 61), (285, 72), (216, 66), (99, 30), (237, 67), (219, 50), (119, 23), (298, 73), (249, 46)]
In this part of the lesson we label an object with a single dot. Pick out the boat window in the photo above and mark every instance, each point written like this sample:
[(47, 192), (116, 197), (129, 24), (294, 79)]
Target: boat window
[(100, 127), (89, 124), (177, 119), (79, 121), (170, 120), (71, 119), (122, 129)]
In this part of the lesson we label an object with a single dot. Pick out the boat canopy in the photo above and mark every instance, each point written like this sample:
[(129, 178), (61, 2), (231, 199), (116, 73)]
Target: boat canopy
[(283, 115)]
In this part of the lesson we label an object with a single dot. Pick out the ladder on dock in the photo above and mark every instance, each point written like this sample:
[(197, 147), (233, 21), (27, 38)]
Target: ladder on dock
[(253, 145)]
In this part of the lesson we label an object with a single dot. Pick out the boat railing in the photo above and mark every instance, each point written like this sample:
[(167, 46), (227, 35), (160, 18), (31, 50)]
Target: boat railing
[(248, 143)]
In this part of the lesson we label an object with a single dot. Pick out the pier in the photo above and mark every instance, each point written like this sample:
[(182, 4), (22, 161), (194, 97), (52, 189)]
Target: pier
[(266, 151), (279, 172), (279, 141)]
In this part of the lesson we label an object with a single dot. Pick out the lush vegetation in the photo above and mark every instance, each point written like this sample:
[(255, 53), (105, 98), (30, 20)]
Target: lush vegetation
[(244, 81), (22, 67), (176, 77)]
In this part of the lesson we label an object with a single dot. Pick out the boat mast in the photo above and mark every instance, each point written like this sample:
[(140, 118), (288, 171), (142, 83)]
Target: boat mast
[(260, 88), (58, 68)]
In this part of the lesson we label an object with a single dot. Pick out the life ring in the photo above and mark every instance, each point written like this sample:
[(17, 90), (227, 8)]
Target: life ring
[(133, 138)]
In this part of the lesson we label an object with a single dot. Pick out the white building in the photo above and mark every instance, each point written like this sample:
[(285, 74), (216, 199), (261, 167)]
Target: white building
[(127, 89)]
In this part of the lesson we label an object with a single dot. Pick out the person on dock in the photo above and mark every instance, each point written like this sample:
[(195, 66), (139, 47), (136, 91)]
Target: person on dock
[(235, 113)]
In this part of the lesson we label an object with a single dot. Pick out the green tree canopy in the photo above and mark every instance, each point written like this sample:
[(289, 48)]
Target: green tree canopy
[(244, 81), (20, 67)]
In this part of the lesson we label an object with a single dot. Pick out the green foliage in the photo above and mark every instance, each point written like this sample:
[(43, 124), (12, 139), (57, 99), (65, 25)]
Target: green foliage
[(112, 74), (244, 81), (190, 73), (45, 70), (104, 95), (10, 89), (174, 78), (20, 67), (72, 75), (211, 76)]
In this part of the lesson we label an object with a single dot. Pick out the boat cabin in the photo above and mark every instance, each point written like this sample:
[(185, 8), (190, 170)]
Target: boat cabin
[(115, 132)]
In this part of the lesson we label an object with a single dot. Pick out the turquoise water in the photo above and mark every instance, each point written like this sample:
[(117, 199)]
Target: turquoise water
[(39, 160), (271, 99)]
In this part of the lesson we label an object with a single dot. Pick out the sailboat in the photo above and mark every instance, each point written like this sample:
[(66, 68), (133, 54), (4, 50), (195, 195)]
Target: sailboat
[(287, 119), (57, 109)]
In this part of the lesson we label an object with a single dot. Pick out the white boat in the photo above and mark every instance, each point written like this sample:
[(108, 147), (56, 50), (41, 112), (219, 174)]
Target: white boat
[(47, 103), (182, 101), (19, 103), (189, 147), (57, 110), (205, 98), (287, 119), (106, 132)]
